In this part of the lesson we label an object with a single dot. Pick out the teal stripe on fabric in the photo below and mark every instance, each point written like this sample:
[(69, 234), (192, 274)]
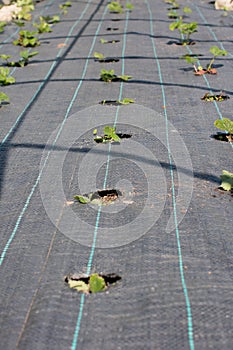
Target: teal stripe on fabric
[(184, 287), (45, 78), (210, 90), (5, 249), (210, 29), (90, 260)]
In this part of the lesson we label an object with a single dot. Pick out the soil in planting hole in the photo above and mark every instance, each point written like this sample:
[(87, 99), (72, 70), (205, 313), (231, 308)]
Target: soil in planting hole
[(107, 196), (222, 136), (112, 41), (107, 60), (110, 103), (112, 28), (219, 98)]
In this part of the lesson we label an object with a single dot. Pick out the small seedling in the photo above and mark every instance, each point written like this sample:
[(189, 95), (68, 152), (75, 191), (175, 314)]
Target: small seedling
[(115, 7), (227, 125), (102, 197), (173, 3), (5, 78), (64, 7), (173, 14), (92, 284), (27, 39), (2, 26), (216, 52), (129, 6), (99, 56), (187, 9), (43, 26), (104, 41), (209, 69), (3, 98), (27, 6), (109, 135), (19, 23), (227, 181), (109, 75), (125, 101), (219, 98), (185, 30), (51, 19)]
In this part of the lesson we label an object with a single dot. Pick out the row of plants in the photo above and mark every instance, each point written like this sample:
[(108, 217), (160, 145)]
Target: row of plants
[(186, 29), (26, 39), (85, 284)]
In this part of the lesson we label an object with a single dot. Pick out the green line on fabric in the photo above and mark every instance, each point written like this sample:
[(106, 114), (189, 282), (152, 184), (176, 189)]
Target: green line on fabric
[(184, 287), (5, 249), (210, 29), (210, 90), (90, 260)]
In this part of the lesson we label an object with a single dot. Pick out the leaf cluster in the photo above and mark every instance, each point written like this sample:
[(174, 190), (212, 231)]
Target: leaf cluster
[(27, 39), (95, 283), (227, 180), (109, 135), (23, 61), (5, 78), (109, 75)]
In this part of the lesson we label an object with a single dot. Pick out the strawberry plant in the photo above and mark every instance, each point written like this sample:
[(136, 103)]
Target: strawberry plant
[(43, 26), (23, 61), (92, 284), (185, 30), (216, 52), (125, 101), (3, 98), (219, 98), (2, 26), (27, 39), (51, 19), (101, 58), (25, 13), (5, 78), (64, 7), (104, 41), (115, 7), (109, 135), (227, 125), (226, 181), (109, 75)]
